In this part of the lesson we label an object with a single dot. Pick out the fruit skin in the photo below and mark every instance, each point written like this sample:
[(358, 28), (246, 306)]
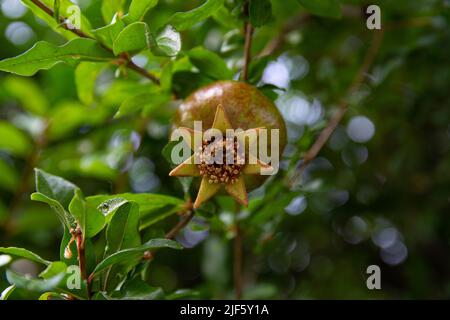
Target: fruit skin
[(245, 106)]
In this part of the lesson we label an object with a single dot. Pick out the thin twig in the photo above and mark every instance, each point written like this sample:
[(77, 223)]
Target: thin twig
[(248, 30), (130, 64), (180, 225), (247, 49), (343, 106)]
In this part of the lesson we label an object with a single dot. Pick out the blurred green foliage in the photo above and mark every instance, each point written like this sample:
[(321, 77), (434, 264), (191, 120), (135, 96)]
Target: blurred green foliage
[(377, 194)]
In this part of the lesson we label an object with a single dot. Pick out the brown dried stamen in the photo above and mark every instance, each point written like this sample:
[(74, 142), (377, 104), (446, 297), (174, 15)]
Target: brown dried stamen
[(220, 172)]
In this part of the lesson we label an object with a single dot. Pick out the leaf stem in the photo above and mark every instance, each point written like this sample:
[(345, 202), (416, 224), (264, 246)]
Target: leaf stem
[(180, 225), (130, 64)]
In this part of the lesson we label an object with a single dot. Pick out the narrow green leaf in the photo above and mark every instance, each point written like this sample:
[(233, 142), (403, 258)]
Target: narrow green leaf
[(134, 37), (7, 292), (184, 20), (260, 12), (326, 8), (138, 9), (85, 77), (44, 55), (135, 253), (13, 140), (23, 253), (209, 63)]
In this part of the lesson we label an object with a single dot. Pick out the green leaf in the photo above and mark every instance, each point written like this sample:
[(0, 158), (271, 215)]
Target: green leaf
[(166, 43), (63, 216), (135, 253), (123, 229), (209, 63), (54, 187), (23, 253), (85, 77), (49, 20), (326, 8), (137, 289), (7, 292), (110, 8), (185, 20), (260, 12), (57, 193), (152, 207), (108, 34), (28, 93), (66, 10), (138, 9), (44, 55), (34, 285), (9, 179), (134, 37), (13, 140), (53, 269), (92, 221), (122, 233)]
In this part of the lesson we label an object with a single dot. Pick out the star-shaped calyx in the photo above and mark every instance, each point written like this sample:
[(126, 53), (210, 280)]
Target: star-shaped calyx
[(226, 173)]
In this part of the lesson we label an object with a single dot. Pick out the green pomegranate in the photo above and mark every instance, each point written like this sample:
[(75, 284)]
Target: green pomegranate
[(229, 104)]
